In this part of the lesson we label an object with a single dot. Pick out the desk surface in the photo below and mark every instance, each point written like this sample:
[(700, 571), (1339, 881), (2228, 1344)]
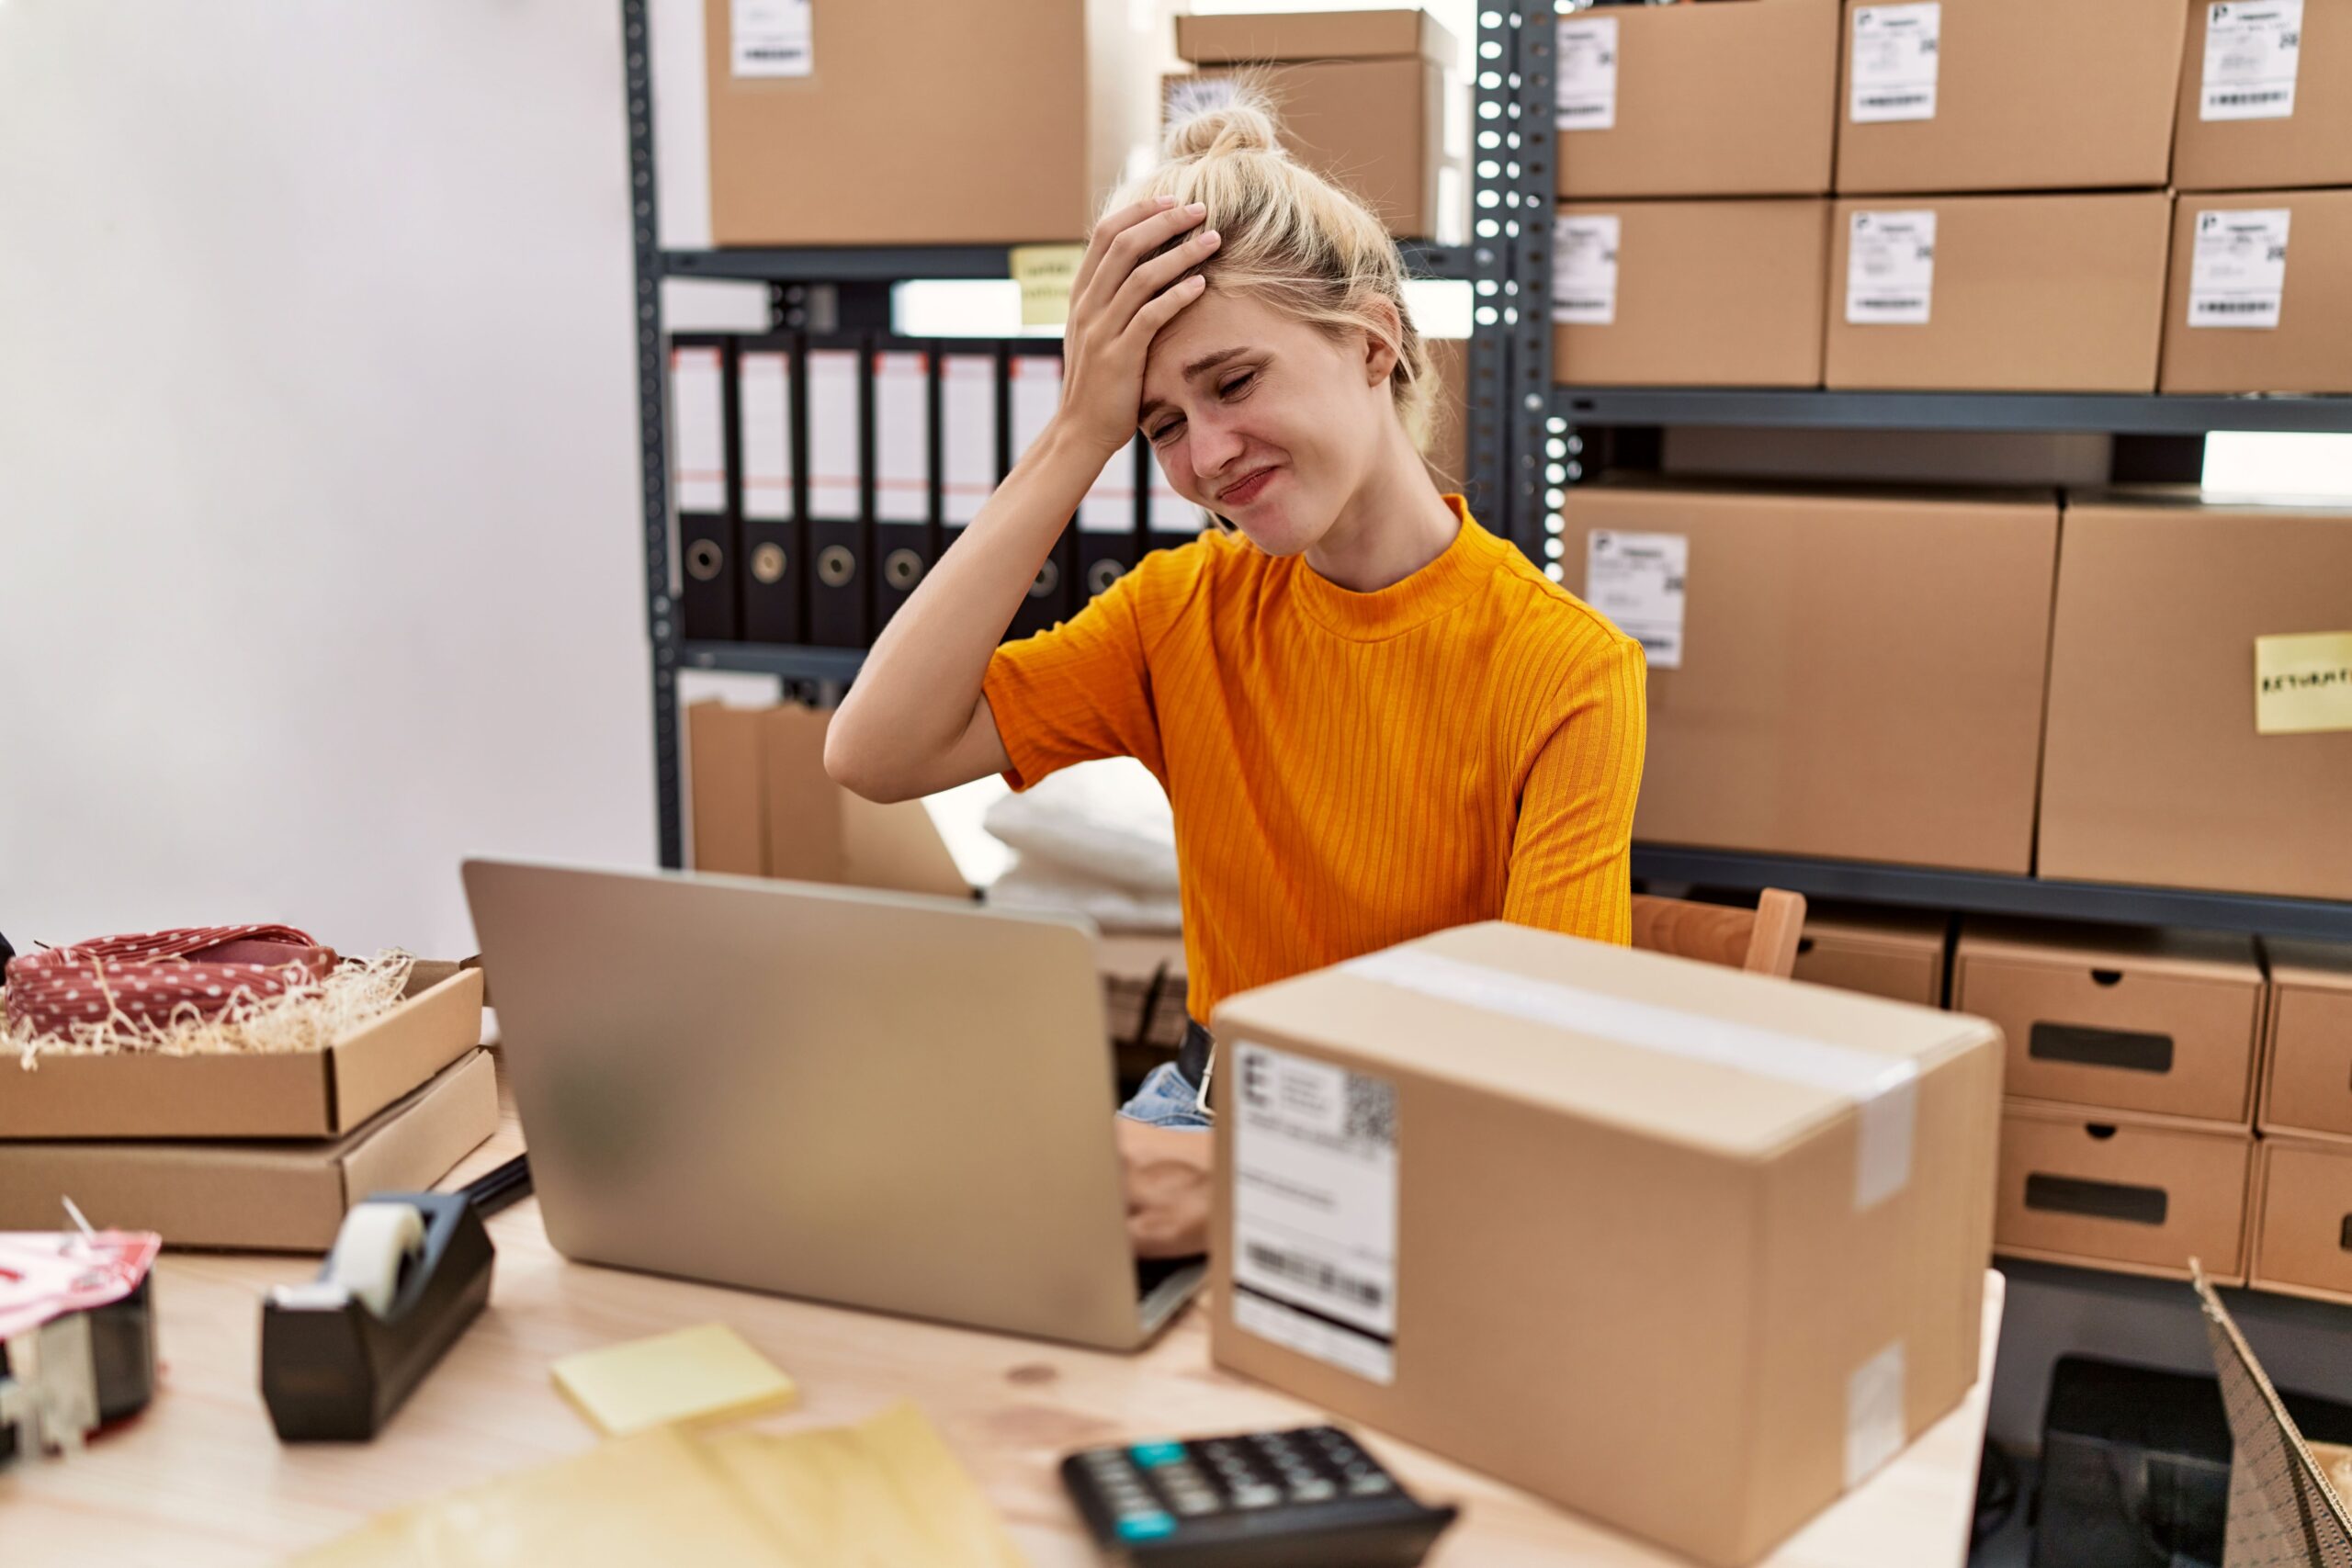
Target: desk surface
[(200, 1478)]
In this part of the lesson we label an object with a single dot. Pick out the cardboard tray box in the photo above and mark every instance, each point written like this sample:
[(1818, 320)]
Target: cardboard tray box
[(2302, 1219), (2307, 1079), (2309, 145), (2153, 771), (308, 1094), (2126, 1019), (2140, 1195), (2024, 293), (1733, 98), (276, 1196), (2294, 334), (1860, 675), (1243, 39), (1896, 954), (1549, 1207), (2017, 94), (1689, 293)]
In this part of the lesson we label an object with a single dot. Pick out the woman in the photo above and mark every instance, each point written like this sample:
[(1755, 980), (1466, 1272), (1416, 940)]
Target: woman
[(1373, 718)]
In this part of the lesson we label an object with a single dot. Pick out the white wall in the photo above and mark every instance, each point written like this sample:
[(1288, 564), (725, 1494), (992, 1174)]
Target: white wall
[(317, 462)]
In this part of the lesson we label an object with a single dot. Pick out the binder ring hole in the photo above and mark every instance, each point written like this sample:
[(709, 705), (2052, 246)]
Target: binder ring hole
[(2106, 976), (1805, 946), (1105, 573), (836, 566), (902, 568), (705, 559), (1049, 577), (2100, 1129), (768, 563)]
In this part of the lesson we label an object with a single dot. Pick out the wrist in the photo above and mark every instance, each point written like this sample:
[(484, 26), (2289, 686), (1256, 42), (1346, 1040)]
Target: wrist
[(1062, 440)]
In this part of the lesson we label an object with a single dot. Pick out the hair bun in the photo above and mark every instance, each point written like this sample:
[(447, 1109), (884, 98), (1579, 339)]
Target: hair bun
[(1213, 116)]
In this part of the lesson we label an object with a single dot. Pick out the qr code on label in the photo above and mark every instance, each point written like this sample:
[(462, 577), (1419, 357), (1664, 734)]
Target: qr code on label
[(1371, 1110)]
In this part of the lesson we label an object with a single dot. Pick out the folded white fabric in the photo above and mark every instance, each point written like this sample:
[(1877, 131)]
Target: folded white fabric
[(1039, 886), (1106, 821)]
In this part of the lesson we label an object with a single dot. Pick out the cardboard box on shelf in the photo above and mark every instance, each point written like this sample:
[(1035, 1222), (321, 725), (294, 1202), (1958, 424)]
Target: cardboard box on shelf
[(973, 125), (2141, 1195), (1996, 293), (1365, 98), (2265, 96), (1895, 954), (2157, 769), (2302, 1209), (1735, 99), (2008, 95), (275, 1196), (1383, 1246), (1689, 293), (293, 1094), (2118, 1018), (2261, 293), (1852, 674), (2307, 1075)]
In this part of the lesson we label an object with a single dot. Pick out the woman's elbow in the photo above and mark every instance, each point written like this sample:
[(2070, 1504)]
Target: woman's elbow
[(847, 764)]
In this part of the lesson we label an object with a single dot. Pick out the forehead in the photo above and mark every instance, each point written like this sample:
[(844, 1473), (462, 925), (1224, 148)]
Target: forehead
[(1212, 323)]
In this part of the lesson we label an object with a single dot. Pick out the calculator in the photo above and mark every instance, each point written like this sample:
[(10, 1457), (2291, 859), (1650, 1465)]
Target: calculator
[(1306, 1498)]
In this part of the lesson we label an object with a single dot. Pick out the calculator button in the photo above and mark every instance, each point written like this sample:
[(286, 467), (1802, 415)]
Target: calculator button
[(1151, 1454), (1151, 1526), (1254, 1495), (1313, 1489), (1371, 1484), (1188, 1501)]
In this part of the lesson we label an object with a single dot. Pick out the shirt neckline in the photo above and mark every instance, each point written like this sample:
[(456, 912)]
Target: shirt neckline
[(1409, 602)]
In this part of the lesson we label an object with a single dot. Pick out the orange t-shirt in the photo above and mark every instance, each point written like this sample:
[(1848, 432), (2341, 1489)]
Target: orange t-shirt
[(1348, 770)]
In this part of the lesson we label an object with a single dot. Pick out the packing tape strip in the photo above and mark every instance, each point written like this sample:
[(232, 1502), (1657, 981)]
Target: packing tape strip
[(1874, 1423), (1883, 1089)]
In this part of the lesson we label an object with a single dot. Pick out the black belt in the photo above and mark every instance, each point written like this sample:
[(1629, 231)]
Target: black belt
[(1192, 1055)]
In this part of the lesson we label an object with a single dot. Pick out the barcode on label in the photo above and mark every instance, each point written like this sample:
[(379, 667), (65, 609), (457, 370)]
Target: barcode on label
[(1572, 110), (2224, 307), (1892, 100), (2238, 98), (756, 51), (1315, 1272), (1892, 302)]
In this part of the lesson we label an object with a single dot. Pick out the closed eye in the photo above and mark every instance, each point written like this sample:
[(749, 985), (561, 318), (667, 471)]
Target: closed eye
[(1238, 387)]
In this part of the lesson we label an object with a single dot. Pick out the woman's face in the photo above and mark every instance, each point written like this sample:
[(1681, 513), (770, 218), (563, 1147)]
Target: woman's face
[(1274, 427)]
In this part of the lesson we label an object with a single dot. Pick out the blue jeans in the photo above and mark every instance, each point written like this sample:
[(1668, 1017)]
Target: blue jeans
[(1167, 1099)]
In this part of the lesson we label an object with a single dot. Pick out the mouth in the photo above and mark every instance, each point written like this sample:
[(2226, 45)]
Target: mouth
[(1247, 490)]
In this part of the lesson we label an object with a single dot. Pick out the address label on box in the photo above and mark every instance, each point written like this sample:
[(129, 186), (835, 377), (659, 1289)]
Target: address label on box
[(2302, 684), (1315, 1209), (1890, 268), (1584, 269), (771, 38), (1584, 93), (1896, 52), (2253, 51), (1637, 580), (2237, 273)]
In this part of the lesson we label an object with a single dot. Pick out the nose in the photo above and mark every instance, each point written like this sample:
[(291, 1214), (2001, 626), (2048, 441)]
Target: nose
[(1215, 447)]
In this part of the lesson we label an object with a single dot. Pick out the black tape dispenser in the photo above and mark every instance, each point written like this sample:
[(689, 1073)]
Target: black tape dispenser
[(409, 1272)]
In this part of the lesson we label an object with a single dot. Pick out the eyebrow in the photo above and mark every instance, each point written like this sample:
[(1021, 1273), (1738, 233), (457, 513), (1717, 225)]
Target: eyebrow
[(1206, 361)]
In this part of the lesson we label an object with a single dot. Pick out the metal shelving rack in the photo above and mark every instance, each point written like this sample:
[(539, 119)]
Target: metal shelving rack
[(1560, 435), (809, 285)]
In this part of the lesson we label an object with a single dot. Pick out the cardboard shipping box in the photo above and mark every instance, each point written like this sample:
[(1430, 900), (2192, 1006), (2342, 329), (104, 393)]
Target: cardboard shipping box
[(1853, 674), (1689, 293), (1733, 98), (1997, 293), (1895, 954), (276, 1196), (907, 122), (2302, 1219), (2307, 1078), (2157, 768), (2261, 293), (2140, 1195), (1368, 100), (294, 1094), (2265, 96), (1560, 1210), (2008, 95), (2118, 1018)]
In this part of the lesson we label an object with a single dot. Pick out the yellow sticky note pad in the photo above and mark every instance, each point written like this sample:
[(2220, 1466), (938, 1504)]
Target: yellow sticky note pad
[(1047, 275), (2302, 684), (695, 1374)]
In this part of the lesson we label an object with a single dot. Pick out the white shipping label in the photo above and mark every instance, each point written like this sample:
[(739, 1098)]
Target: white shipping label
[(2237, 274), (833, 475), (1895, 51), (2251, 50), (699, 429), (1585, 95), (1109, 504), (903, 436), (1584, 270), (966, 434), (1315, 1208), (1890, 268), (1636, 580), (772, 37), (763, 409)]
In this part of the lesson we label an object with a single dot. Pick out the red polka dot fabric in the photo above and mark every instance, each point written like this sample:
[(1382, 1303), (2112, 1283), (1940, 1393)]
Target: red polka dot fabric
[(148, 979)]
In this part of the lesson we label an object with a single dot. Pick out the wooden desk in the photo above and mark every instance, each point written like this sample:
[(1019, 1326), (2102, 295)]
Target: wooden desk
[(200, 1479)]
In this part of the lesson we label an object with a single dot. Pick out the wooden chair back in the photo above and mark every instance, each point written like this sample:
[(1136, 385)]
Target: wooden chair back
[(1762, 941)]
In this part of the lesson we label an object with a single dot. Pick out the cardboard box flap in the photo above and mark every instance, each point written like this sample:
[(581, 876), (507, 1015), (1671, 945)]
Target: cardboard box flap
[(1736, 1064), (1314, 35), (369, 1069), (2182, 954)]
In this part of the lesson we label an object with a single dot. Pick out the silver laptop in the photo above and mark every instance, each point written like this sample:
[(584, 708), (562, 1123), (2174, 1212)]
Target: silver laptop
[(883, 1100)]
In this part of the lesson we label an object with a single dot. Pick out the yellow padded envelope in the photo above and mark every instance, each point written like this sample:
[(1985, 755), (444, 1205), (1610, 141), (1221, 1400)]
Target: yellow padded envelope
[(705, 1373)]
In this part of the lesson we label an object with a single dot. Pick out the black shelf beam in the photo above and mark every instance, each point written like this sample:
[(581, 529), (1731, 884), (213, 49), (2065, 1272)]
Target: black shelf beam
[(891, 264), (2129, 415), (793, 664), (1983, 893)]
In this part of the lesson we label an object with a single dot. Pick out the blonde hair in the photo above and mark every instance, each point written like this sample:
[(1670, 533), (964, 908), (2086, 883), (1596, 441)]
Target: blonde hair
[(1286, 235)]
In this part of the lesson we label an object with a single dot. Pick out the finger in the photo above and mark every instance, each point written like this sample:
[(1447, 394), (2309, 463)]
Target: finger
[(1112, 226), (1158, 311), (1161, 272), (1133, 244)]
